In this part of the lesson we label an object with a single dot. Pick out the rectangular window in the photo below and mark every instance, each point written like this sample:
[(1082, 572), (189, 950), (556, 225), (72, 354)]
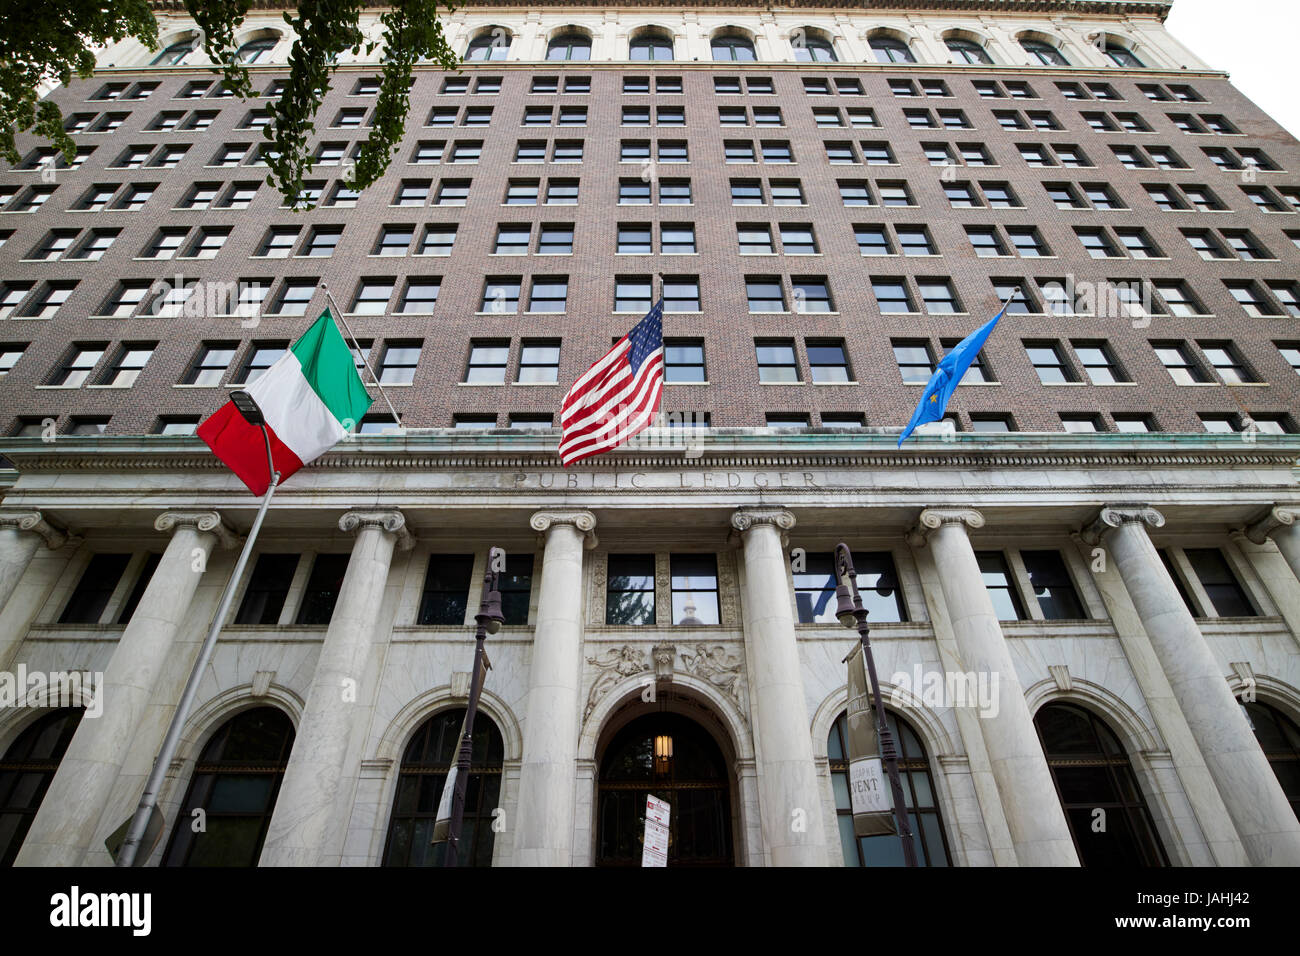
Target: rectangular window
[(630, 589), (1098, 362), (938, 296), (522, 192), (877, 582), (516, 587), (684, 362), (126, 368), (1178, 360), (1225, 360), (694, 588), (77, 366), (398, 364), (539, 362), (549, 294), (420, 295), (1221, 585), (446, 589), (677, 238), (210, 364), (827, 362), (915, 362), (892, 296), (501, 295), (268, 587), (776, 361), (765, 294), (91, 596), (372, 297), (487, 362), (322, 591), (1001, 589), (1050, 583)]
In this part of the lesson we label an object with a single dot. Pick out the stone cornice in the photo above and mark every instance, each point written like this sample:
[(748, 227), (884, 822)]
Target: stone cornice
[(1115, 516), (392, 522), (35, 523), (742, 449), (209, 522), (1155, 8)]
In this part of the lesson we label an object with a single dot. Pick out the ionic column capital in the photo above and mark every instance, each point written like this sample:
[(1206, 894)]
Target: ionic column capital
[(584, 522), (207, 521), (1278, 518), (1115, 516), (35, 523), (392, 522), (746, 519), (932, 519)]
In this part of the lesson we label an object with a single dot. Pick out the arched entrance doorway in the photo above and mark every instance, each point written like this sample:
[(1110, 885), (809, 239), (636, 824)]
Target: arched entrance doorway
[(675, 759)]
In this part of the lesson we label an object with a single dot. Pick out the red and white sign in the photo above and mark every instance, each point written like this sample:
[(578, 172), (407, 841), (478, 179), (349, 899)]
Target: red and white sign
[(655, 848)]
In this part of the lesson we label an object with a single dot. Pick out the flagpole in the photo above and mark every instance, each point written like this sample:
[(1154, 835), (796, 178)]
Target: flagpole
[(338, 313), (153, 786)]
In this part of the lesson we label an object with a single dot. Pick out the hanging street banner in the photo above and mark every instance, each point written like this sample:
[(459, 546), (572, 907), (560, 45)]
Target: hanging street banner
[(868, 789)]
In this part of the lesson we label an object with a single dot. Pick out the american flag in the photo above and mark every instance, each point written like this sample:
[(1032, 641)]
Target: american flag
[(618, 396)]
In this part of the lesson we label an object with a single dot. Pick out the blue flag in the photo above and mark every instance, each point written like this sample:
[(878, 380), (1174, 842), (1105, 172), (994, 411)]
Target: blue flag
[(946, 378)]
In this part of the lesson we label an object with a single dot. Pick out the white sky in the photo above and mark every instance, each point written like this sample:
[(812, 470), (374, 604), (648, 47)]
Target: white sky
[(1255, 41)]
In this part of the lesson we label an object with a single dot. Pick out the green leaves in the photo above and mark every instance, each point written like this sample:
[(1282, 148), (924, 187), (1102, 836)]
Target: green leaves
[(45, 42), (41, 43)]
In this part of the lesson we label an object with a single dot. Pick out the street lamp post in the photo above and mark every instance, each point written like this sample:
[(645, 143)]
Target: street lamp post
[(851, 613), (247, 406), (488, 620)]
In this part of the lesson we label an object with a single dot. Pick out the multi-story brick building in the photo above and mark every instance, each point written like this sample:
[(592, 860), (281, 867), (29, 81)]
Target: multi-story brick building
[(1104, 546)]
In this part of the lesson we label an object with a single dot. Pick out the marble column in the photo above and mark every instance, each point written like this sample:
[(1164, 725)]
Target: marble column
[(1281, 525), (790, 804), (69, 815), (547, 774), (1034, 815), (21, 534), (299, 832), (1259, 809)]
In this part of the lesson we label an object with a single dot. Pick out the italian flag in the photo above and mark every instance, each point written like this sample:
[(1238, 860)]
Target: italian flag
[(309, 398)]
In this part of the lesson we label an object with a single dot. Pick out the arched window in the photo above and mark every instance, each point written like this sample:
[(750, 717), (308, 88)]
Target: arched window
[(491, 44), (1122, 56), (918, 791), (569, 46), (1045, 53), (236, 780), (26, 770), (967, 51), (174, 53), (1278, 737), (650, 45), (891, 50), (731, 47), (425, 766), (812, 46), (256, 51), (1108, 818)]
